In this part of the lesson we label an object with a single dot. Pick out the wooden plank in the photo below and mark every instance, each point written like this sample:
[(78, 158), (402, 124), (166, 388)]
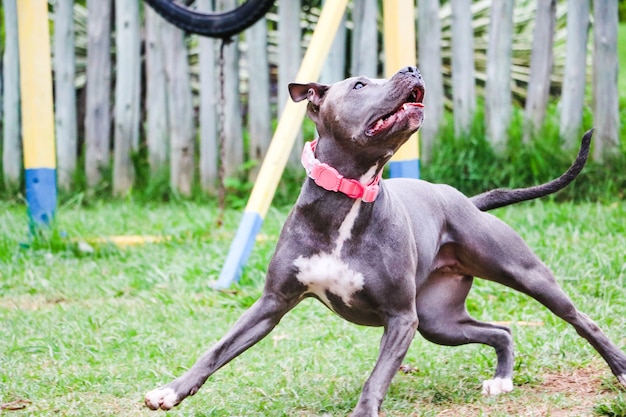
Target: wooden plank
[(208, 108), (463, 84), (365, 38), (574, 80), (605, 72), (157, 122), (98, 113), (259, 112), (127, 84), (11, 141), (334, 67), (429, 62), (289, 56), (498, 86), (541, 60), (233, 130), (179, 110), (65, 92)]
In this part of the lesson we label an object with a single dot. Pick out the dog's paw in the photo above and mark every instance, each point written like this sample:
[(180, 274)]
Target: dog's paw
[(497, 386), (164, 398)]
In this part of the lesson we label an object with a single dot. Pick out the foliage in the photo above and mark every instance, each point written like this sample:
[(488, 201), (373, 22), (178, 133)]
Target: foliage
[(613, 408), (469, 163)]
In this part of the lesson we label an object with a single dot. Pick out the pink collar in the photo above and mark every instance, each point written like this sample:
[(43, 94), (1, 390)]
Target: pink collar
[(328, 178)]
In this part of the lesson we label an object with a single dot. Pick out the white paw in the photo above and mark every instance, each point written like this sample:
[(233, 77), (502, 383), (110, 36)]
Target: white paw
[(163, 398), (622, 379), (497, 386)]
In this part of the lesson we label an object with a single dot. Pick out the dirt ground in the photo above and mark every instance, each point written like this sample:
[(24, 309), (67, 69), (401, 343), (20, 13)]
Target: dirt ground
[(564, 394)]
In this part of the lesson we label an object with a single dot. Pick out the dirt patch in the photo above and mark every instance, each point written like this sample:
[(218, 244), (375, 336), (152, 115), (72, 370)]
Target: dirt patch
[(569, 393), (30, 302)]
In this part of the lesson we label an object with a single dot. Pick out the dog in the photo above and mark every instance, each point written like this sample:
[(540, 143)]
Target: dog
[(397, 253)]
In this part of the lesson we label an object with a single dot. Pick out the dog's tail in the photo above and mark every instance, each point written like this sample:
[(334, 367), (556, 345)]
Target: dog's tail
[(501, 197)]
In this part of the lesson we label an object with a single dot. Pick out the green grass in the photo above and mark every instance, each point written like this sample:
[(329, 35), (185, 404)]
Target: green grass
[(88, 333)]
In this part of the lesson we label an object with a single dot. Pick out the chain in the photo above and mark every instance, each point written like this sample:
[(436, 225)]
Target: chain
[(222, 139)]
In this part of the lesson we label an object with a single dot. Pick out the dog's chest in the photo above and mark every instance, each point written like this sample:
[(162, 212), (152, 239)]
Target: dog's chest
[(327, 272)]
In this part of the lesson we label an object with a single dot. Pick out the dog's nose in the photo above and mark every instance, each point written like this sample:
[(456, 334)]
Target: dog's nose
[(411, 70)]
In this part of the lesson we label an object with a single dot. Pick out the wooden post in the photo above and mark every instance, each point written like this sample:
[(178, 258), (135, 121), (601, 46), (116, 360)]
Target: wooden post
[(98, 113), (334, 67), (11, 141), (157, 122), (179, 110), (259, 114), (127, 83), (429, 29), (289, 58), (365, 38), (540, 67), (574, 80), (37, 110), (208, 109), (463, 84), (605, 72), (232, 107), (65, 92), (498, 87)]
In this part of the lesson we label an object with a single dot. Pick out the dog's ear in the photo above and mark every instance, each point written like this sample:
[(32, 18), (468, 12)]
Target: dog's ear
[(313, 92)]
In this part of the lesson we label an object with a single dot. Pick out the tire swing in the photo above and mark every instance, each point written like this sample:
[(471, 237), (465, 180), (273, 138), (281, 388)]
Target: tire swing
[(212, 24)]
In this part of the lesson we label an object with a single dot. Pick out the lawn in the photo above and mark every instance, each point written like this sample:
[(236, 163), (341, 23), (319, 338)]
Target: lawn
[(87, 328)]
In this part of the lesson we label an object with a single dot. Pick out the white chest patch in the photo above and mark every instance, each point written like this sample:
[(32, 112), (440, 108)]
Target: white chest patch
[(327, 272)]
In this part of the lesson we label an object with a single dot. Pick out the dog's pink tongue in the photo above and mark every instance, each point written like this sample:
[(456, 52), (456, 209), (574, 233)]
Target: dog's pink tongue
[(391, 119)]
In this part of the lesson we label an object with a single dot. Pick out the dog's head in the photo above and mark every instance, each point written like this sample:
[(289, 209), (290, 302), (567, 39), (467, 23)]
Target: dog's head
[(360, 111)]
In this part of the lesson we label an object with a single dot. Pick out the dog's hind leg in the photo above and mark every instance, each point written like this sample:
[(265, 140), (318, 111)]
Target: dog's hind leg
[(497, 253), (444, 320), (251, 327), (544, 288)]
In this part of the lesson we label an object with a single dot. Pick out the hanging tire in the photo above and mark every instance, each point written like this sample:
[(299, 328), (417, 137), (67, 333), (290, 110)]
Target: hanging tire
[(217, 24)]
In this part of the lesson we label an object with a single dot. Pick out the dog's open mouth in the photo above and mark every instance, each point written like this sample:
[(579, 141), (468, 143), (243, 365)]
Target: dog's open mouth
[(414, 100)]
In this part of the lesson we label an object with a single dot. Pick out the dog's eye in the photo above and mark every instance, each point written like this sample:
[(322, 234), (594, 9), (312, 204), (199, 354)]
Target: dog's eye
[(358, 85)]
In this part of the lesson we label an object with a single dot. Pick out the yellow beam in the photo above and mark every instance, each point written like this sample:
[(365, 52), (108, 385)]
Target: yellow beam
[(400, 51), (282, 143), (291, 118), (36, 84)]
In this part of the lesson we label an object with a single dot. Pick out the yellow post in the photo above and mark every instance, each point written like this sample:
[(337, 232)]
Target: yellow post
[(400, 43), (37, 109), (281, 145)]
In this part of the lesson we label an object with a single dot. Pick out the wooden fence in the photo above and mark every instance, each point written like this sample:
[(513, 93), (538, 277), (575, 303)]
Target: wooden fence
[(129, 86)]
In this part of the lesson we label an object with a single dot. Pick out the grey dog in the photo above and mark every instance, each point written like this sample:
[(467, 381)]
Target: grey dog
[(398, 253)]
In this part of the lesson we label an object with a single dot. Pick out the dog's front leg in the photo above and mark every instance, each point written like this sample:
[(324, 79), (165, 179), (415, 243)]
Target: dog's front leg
[(251, 327), (399, 332)]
